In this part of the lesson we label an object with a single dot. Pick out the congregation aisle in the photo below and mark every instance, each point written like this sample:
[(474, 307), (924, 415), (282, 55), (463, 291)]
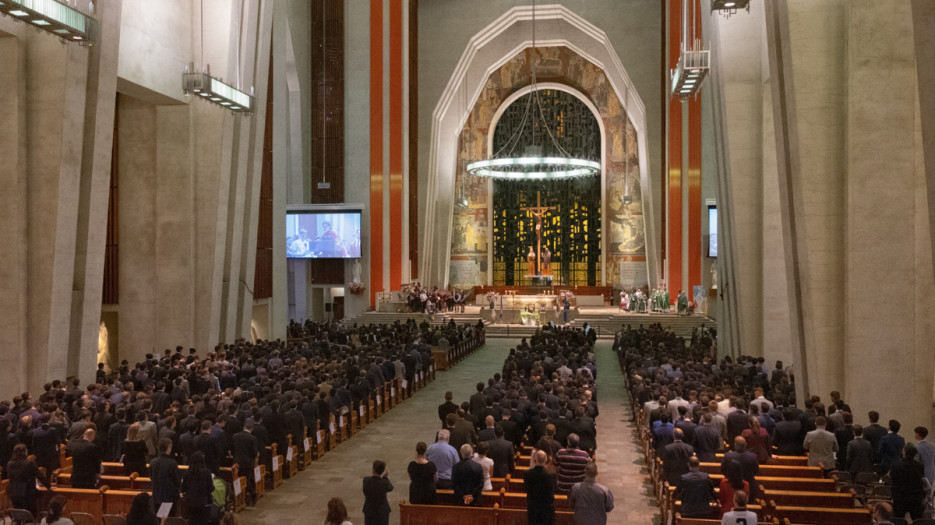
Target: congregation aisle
[(391, 438), (620, 462)]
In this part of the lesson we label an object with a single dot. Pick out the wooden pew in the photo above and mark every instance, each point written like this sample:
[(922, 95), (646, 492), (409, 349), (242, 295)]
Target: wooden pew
[(823, 515), (785, 471), (793, 498), (797, 484), (801, 461), (117, 501), (306, 453), (90, 501), (274, 468), (456, 515), (291, 467)]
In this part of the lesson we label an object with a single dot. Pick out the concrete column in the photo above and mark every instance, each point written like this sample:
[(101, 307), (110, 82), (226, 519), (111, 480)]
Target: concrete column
[(777, 333), (137, 200), (56, 80), (887, 320), (173, 242), (13, 218), (95, 190)]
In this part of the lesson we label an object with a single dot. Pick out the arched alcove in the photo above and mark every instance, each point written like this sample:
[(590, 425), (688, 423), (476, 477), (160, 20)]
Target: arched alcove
[(486, 53)]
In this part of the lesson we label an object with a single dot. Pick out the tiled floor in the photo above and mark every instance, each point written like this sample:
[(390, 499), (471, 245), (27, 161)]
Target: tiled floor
[(393, 437)]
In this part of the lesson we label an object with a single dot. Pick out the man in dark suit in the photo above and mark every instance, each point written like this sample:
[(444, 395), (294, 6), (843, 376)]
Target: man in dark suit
[(478, 402), (86, 461), (686, 425), (448, 407), (462, 430), (502, 453), (787, 438), (747, 460), (45, 445), (873, 433), (707, 439), (246, 453), (376, 486), (859, 453), (205, 444), (584, 427), (890, 449), (294, 424), (737, 420), (164, 471), (511, 430), (467, 478), (540, 491), (488, 433), (695, 491), (675, 458)]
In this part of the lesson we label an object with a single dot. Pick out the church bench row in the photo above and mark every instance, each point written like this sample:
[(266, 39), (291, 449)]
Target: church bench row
[(115, 488), (506, 500), (454, 515)]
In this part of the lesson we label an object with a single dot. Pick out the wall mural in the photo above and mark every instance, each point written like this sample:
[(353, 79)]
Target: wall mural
[(624, 248)]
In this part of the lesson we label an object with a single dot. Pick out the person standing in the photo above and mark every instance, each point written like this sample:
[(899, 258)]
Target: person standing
[(590, 500), (23, 474), (246, 453), (337, 513), (821, 446), (908, 487), (198, 487), (85, 461), (421, 478), (467, 478), (540, 491), (740, 514), (444, 456), (376, 487), (164, 471), (135, 452)]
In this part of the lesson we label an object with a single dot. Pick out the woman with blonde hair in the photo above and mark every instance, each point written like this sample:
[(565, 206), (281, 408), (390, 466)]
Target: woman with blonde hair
[(757, 440), (134, 452)]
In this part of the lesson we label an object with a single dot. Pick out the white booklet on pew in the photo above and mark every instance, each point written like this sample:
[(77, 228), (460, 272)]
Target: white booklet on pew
[(164, 510)]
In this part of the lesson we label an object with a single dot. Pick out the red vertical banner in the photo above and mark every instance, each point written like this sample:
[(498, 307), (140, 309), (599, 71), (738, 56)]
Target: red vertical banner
[(376, 148), (673, 220), (396, 143), (694, 179)]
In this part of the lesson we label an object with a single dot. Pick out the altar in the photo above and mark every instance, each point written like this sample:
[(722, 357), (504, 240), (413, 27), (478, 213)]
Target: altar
[(527, 310)]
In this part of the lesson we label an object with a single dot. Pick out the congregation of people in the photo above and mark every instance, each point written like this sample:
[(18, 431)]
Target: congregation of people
[(544, 397), (741, 413), (205, 411)]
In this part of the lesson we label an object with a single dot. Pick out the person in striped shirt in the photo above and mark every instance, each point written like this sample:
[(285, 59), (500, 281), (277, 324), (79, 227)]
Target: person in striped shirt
[(570, 462)]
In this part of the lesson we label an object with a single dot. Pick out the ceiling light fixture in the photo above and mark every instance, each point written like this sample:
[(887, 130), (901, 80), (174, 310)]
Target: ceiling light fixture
[(64, 21), (533, 165), (214, 89), (729, 7), (694, 62)]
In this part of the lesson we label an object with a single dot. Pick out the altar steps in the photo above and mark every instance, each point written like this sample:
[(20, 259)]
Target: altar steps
[(606, 321)]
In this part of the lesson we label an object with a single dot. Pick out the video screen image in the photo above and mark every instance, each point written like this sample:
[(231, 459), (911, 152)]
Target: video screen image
[(329, 235)]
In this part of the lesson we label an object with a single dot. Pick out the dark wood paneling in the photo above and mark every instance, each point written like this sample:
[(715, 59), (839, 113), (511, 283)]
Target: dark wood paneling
[(327, 67), (111, 292), (263, 273), (414, 138)]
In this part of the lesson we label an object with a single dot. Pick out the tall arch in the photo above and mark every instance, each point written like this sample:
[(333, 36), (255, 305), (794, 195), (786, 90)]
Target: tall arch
[(487, 51)]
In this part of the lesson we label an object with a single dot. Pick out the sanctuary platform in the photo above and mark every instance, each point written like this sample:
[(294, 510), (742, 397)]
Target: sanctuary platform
[(606, 320)]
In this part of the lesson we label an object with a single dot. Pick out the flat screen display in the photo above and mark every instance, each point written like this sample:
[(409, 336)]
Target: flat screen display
[(712, 231), (323, 235)]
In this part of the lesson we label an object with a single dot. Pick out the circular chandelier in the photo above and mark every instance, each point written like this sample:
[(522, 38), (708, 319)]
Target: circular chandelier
[(533, 165)]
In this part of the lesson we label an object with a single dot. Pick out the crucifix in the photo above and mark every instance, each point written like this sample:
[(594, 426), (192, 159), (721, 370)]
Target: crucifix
[(537, 212)]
